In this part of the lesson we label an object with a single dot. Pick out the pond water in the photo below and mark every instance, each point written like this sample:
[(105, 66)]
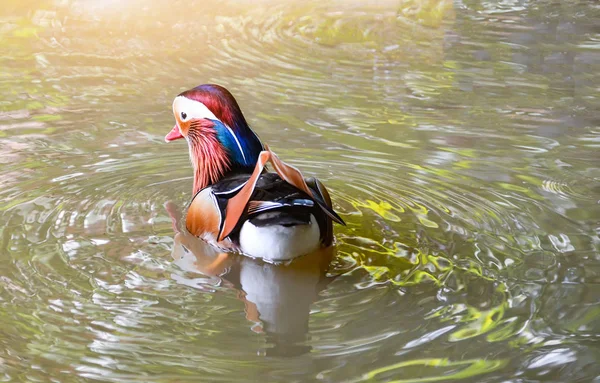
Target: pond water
[(460, 141)]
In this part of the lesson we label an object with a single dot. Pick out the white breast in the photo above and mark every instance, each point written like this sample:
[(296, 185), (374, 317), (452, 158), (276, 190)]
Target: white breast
[(279, 243)]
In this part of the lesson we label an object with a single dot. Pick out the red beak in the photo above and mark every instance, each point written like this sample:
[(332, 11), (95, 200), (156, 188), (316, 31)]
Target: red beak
[(174, 134)]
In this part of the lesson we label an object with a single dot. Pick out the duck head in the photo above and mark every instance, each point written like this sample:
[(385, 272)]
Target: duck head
[(218, 136)]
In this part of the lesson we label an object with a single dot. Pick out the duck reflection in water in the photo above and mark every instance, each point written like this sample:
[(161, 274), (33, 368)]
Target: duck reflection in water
[(277, 297)]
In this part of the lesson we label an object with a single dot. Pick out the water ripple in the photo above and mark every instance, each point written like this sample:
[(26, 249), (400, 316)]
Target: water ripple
[(458, 147)]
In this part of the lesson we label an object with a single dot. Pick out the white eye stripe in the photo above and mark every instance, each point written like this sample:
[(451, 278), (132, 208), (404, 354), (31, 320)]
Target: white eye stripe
[(192, 109)]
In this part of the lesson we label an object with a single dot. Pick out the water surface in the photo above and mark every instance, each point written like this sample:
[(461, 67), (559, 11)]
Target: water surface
[(460, 141)]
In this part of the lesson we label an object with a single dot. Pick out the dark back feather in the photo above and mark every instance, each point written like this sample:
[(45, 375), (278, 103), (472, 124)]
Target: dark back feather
[(273, 194)]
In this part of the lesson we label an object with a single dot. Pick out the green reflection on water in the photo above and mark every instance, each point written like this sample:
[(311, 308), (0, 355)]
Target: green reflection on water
[(443, 366)]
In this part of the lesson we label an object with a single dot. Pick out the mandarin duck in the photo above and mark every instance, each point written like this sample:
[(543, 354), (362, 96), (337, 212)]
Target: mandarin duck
[(238, 205)]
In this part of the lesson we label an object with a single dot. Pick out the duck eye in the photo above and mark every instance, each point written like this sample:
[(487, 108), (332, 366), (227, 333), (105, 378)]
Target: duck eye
[(183, 115)]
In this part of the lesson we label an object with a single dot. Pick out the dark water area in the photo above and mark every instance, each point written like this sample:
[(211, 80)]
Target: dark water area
[(460, 142)]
